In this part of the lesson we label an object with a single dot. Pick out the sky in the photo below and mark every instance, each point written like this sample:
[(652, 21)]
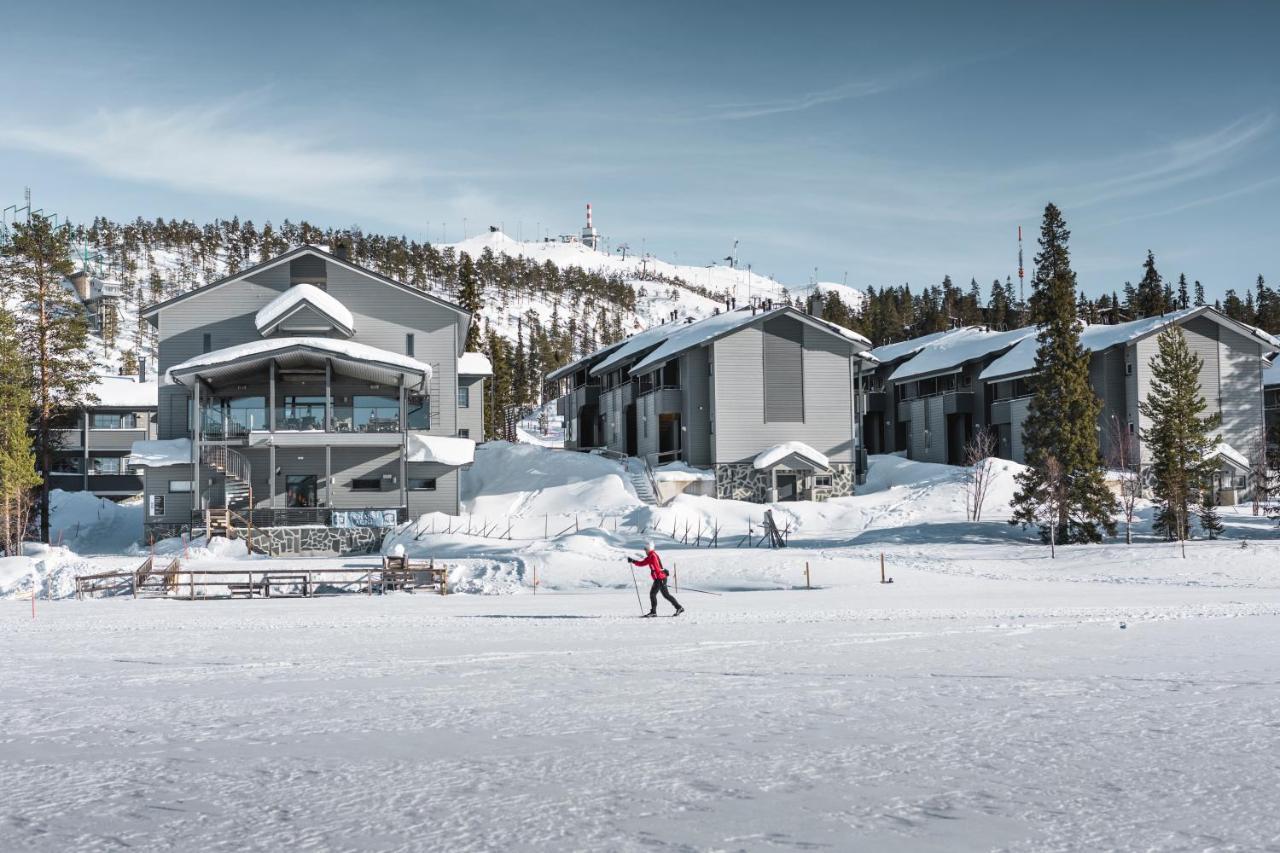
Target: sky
[(850, 142)]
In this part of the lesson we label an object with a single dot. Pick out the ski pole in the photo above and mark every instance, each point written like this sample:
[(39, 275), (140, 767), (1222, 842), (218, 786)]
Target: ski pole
[(637, 585), (703, 591)]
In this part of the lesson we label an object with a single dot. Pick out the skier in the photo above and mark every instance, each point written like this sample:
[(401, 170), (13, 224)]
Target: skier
[(659, 575)]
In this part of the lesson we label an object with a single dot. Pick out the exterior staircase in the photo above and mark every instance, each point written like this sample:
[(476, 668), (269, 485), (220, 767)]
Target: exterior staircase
[(642, 480), (233, 518)]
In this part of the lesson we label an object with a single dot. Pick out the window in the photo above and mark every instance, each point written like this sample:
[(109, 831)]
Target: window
[(1022, 388), (207, 343), (105, 465), (68, 465), (367, 484), (1130, 427), (464, 433), (422, 484), (418, 411), (157, 505), (1128, 369), (300, 490), (181, 486), (108, 420), (464, 397), (408, 344), (822, 481)]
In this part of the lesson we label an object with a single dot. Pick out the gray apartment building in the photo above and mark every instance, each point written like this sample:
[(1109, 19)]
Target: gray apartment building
[(308, 392), (724, 394), (1231, 379), (92, 443)]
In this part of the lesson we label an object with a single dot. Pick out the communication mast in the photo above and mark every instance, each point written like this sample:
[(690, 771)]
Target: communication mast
[(1022, 298)]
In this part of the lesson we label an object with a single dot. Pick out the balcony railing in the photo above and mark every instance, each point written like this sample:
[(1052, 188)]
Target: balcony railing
[(345, 419)]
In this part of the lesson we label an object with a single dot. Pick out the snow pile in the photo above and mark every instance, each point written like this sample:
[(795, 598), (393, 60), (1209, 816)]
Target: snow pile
[(93, 525), (525, 480), (48, 570), (124, 392), (474, 364), (773, 455), (682, 472), (157, 453), (299, 295), (425, 447)]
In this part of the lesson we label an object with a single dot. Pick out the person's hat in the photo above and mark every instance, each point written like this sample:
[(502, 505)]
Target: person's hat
[(648, 546)]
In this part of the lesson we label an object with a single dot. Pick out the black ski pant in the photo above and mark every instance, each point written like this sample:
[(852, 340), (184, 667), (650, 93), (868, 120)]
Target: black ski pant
[(660, 586)]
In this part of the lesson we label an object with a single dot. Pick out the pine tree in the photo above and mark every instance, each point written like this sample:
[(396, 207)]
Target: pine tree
[(1063, 412), (18, 477), (128, 363), (54, 334), (1184, 300), (1151, 295), (1179, 435), (471, 298), (1210, 519)]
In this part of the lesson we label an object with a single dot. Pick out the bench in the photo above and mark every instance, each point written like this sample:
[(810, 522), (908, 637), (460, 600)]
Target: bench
[(279, 580), (403, 573), (245, 590)]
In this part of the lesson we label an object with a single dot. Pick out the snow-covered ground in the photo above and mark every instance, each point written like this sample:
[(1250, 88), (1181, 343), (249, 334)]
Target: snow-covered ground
[(990, 698)]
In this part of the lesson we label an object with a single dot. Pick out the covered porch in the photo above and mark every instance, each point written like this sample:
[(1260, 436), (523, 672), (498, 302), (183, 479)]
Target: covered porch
[(795, 472)]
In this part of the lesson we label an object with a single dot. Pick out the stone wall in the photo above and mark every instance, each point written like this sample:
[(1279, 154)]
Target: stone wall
[(741, 482), (314, 541)]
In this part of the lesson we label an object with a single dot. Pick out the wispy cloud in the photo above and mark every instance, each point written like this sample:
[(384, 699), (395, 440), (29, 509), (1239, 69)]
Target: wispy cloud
[(847, 91), (217, 150)]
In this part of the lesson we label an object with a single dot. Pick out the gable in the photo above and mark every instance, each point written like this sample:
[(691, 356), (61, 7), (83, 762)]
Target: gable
[(305, 318)]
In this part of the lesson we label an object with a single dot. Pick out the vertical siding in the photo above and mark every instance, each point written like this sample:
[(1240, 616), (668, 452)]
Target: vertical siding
[(1017, 419), (741, 430), (1241, 364), (928, 414), (696, 417), (783, 370), (472, 417)]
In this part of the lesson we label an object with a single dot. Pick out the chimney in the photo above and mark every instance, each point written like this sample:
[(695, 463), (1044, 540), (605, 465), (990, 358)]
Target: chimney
[(340, 249), (142, 369)]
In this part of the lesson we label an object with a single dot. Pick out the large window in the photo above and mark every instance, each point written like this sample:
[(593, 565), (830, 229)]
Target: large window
[(105, 465), (299, 412), (68, 465), (110, 420), (245, 414), (300, 490), (376, 413), (464, 397)]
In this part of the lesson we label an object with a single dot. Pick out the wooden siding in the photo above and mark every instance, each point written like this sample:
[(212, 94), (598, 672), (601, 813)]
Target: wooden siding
[(741, 430), (783, 370), (696, 416)]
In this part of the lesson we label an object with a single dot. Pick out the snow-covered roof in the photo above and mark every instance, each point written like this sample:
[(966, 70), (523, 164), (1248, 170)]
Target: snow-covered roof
[(1226, 451), (781, 452), (956, 349), (892, 352), (349, 350), (474, 364), (686, 337), (1021, 359), (154, 453), (425, 447), (638, 343), (298, 296), (123, 392)]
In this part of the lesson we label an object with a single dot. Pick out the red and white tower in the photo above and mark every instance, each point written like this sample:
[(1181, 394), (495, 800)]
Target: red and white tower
[(590, 237)]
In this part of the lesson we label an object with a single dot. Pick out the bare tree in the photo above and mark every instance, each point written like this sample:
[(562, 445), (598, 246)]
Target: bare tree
[(1260, 473), (1050, 499), (1125, 459), (978, 451)]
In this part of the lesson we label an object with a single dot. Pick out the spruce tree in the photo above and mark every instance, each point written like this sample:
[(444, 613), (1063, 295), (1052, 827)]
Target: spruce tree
[(1063, 412), (18, 477), (1199, 294), (1184, 300), (471, 298), (53, 330), (1210, 519), (1150, 293), (1178, 438)]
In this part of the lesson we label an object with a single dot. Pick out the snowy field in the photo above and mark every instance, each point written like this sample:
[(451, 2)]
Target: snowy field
[(1118, 697)]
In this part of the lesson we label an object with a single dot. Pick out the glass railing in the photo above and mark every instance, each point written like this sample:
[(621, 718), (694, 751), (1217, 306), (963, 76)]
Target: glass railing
[(381, 418)]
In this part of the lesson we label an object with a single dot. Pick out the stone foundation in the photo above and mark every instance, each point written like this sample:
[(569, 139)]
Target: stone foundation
[(302, 541), (742, 482)]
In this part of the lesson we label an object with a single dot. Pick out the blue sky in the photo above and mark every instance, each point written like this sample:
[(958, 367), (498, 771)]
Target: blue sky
[(890, 145)]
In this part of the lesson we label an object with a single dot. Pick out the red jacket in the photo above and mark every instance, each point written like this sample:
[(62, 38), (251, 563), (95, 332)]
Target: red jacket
[(655, 565)]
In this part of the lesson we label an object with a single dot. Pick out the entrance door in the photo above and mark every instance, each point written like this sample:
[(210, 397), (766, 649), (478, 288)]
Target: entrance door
[(668, 436), (588, 417), (629, 424), (959, 431), (786, 487), (300, 490)]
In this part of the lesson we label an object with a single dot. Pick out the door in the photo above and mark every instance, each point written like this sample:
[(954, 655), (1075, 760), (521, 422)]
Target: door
[(787, 487), (668, 436), (300, 490), (629, 425)]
